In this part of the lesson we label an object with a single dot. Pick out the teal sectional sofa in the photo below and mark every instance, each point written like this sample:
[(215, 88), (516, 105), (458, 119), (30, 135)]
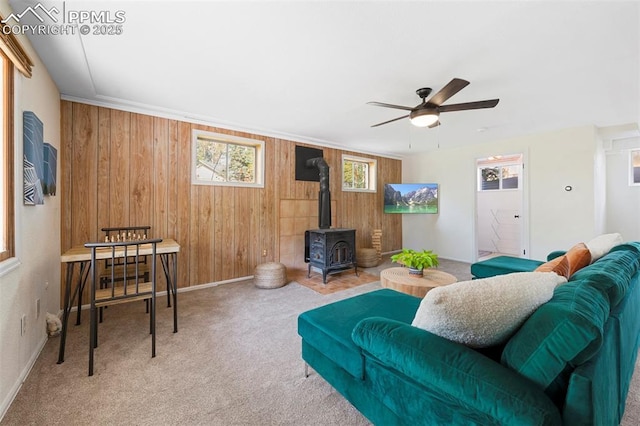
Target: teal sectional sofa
[(570, 363)]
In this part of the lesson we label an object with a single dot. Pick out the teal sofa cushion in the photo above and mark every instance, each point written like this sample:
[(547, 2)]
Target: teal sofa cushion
[(612, 273), (443, 382), (328, 328), (501, 265), (592, 394), (567, 330)]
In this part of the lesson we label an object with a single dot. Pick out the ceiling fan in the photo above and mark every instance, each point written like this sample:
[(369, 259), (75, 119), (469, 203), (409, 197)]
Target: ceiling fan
[(428, 112)]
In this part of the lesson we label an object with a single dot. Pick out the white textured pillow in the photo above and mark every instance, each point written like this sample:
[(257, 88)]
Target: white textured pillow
[(485, 312), (602, 244)]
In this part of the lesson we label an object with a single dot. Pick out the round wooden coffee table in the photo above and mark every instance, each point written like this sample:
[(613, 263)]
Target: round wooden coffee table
[(400, 280)]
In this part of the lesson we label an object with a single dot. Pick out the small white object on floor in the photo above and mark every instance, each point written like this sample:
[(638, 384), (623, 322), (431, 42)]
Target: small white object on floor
[(54, 325)]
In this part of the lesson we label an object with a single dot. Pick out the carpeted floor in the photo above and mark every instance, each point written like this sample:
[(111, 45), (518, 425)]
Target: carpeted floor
[(235, 361)]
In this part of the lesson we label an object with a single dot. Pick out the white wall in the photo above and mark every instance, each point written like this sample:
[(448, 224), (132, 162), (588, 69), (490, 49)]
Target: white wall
[(623, 200), (557, 219), (37, 241)]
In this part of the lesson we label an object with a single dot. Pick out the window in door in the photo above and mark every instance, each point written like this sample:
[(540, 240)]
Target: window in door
[(634, 167), (496, 176)]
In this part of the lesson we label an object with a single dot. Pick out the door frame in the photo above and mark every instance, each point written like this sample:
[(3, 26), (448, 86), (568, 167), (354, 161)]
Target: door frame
[(524, 205)]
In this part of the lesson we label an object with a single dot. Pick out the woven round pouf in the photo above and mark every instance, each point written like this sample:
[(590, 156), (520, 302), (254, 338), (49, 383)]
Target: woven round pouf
[(367, 257), (270, 275)]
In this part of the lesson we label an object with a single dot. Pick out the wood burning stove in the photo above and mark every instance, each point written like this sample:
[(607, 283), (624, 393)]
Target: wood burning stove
[(330, 250)]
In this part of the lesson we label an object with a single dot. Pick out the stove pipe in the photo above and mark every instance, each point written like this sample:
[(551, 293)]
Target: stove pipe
[(324, 196)]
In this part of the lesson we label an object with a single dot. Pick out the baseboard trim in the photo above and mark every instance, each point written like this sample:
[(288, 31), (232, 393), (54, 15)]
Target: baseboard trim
[(21, 379)]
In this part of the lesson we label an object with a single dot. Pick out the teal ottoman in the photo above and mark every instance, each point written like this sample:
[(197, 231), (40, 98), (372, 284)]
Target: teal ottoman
[(328, 328), (501, 265)]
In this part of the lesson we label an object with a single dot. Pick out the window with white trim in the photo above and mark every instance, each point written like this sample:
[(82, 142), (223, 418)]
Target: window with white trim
[(358, 173), (219, 159), (7, 231), (12, 57), (634, 167), (498, 176)]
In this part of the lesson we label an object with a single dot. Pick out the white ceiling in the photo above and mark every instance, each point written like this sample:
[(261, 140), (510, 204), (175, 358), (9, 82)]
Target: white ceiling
[(304, 70)]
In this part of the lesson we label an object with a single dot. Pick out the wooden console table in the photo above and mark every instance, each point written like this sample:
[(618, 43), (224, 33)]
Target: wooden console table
[(400, 280)]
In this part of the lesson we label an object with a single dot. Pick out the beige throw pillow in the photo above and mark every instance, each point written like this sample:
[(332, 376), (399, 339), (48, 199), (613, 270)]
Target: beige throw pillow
[(602, 244), (485, 312)]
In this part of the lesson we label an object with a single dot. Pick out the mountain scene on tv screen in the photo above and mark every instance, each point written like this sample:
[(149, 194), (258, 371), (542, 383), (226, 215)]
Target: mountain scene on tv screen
[(411, 198)]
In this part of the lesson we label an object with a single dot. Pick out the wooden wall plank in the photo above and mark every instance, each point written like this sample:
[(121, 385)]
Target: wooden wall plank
[(160, 183), (138, 168), (229, 218), (141, 170), (83, 173), (119, 169), (172, 183), (269, 205), (205, 244), (104, 174), (242, 230), (66, 175), (219, 246), (185, 203)]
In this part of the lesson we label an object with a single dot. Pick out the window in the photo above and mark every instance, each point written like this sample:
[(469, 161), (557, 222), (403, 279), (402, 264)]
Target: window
[(634, 167), (12, 56), (6, 160), (358, 174), (220, 159), (499, 177)]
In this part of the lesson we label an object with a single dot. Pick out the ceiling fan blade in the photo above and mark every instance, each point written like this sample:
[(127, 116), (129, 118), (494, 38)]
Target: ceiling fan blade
[(382, 104), (453, 87), (390, 121), (469, 105)]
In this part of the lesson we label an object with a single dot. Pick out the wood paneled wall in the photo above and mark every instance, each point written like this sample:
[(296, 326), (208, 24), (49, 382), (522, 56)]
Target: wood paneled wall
[(121, 168)]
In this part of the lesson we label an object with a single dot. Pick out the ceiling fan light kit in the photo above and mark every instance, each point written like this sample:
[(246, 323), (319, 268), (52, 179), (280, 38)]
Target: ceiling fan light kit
[(427, 113), (424, 117)]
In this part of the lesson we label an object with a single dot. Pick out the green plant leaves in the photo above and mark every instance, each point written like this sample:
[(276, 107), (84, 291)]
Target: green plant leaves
[(416, 259)]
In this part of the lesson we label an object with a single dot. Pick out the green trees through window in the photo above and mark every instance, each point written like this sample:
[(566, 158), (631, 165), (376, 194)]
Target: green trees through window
[(358, 174), (221, 159)]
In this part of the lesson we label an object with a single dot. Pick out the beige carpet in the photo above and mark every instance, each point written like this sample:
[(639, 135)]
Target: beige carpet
[(235, 361)]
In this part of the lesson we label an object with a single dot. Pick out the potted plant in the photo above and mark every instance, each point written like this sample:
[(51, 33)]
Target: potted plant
[(416, 261)]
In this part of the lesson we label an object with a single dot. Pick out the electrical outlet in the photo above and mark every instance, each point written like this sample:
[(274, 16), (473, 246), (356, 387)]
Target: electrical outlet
[(264, 252), (37, 308), (46, 285), (23, 325)]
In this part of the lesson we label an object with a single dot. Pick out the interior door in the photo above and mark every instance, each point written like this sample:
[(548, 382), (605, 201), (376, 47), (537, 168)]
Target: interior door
[(499, 206)]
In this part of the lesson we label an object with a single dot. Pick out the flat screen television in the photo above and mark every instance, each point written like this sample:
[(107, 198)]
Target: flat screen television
[(411, 198)]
